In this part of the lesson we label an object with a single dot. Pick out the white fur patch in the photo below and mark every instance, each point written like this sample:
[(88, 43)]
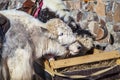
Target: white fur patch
[(25, 40), (58, 7)]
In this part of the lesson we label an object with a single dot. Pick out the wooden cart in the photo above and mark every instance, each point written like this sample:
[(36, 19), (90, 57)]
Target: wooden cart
[(52, 67)]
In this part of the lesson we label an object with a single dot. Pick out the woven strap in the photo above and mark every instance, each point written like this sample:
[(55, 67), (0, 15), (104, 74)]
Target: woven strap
[(38, 9)]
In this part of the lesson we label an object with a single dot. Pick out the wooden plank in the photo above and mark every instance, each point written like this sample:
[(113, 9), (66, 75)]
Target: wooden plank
[(48, 68), (97, 51), (118, 61), (85, 59)]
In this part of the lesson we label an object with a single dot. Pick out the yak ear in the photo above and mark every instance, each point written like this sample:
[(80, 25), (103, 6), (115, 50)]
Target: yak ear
[(44, 29), (48, 33)]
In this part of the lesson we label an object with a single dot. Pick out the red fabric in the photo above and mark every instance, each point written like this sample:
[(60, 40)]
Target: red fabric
[(38, 9)]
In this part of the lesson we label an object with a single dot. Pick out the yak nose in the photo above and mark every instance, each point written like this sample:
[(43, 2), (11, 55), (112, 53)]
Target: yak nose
[(79, 47)]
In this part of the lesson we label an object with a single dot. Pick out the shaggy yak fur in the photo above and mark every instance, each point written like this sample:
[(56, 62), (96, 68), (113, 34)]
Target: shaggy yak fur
[(24, 42), (60, 30), (86, 39), (57, 9)]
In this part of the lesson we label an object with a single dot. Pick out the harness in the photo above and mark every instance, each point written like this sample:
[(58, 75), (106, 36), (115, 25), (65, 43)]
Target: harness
[(31, 7), (39, 6)]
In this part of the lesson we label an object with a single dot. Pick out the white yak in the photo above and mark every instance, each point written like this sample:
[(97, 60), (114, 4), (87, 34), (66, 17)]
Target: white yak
[(24, 42)]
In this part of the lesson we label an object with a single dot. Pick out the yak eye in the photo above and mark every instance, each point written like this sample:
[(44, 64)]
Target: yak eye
[(61, 34)]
